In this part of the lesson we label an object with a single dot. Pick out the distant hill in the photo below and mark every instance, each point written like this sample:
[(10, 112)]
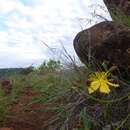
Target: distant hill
[(10, 71)]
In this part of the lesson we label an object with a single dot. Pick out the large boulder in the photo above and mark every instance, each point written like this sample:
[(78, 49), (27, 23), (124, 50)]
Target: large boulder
[(105, 41), (116, 6)]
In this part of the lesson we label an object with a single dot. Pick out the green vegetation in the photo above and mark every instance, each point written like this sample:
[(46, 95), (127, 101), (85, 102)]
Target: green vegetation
[(120, 18), (51, 65), (3, 105), (66, 91), (9, 71)]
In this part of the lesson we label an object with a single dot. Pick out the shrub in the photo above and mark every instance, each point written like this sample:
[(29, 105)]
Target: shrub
[(27, 70), (51, 65)]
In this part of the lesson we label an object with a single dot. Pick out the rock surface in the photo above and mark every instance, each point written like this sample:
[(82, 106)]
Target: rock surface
[(4, 128), (122, 5), (105, 41)]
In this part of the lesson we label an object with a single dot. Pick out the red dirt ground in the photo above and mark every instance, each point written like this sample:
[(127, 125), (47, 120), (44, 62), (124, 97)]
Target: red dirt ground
[(28, 119)]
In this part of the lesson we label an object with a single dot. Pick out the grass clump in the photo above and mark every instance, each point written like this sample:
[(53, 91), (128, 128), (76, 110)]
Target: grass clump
[(78, 109), (120, 17), (65, 90), (4, 105)]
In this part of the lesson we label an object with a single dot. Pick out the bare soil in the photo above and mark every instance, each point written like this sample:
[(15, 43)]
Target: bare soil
[(31, 118)]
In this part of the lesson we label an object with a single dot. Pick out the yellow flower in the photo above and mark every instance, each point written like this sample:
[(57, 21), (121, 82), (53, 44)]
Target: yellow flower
[(99, 81)]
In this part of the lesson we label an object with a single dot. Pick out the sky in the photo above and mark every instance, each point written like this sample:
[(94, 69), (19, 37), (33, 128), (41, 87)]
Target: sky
[(32, 31)]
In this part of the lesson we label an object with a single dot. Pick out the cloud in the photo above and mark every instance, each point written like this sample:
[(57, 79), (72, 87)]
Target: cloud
[(25, 24)]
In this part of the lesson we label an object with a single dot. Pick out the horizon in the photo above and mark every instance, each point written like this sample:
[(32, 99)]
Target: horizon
[(25, 25)]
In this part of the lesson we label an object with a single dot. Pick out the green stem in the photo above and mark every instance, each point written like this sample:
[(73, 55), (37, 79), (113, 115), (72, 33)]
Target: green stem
[(108, 101), (123, 122)]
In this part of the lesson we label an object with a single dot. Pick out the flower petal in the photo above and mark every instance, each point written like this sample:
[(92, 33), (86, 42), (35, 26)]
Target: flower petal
[(113, 85), (93, 86), (104, 88), (90, 90)]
